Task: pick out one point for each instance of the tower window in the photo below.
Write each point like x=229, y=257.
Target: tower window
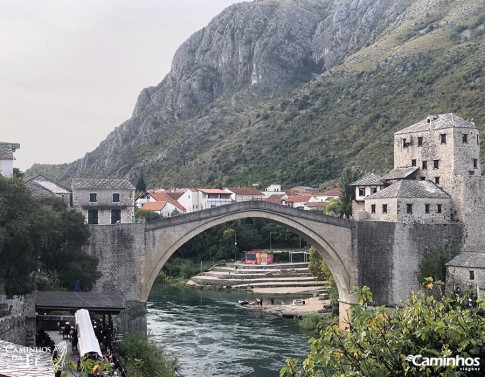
x=420, y=141
x=409, y=208
x=472, y=275
x=425, y=165
x=373, y=208
x=436, y=164
x=438, y=209
x=413, y=162
x=404, y=143
x=384, y=208
x=437, y=180
x=443, y=138
x=475, y=163
x=465, y=138
x=426, y=208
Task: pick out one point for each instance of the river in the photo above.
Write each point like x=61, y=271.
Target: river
x=211, y=335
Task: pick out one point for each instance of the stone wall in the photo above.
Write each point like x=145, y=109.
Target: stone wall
x=12, y=328
x=121, y=252
x=133, y=319
x=389, y=255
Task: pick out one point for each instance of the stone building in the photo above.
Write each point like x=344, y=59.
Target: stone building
x=466, y=272
x=104, y=201
x=41, y=186
x=436, y=179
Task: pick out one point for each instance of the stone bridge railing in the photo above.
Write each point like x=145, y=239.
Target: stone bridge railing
x=248, y=206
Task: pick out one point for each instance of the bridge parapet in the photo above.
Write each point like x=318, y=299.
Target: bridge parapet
x=229, y=209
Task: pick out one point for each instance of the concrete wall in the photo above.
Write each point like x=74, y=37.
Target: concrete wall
x=389, y=254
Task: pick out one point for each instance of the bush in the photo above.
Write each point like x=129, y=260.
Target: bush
x=142, y=358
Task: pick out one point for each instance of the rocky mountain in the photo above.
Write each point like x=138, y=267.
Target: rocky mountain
x=292, y=91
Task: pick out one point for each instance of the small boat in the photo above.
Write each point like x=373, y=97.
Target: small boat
x=242, y=302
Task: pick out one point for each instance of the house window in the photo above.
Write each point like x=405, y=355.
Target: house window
x=115, y=216
x=93, y=197
x=409, y=208
x=443, y=138
x=475, y=163
x=423, y=178
x=471, y=172
x=420, y=141
x=425, y=165
x=465, y=138
x=116, y=197
x=384, y=208
x=373, y=190
x=404, y=143
x=413, y=162
x=93, y=216
x=361, y=191
x=438, y=208
x=437, y=180
x=426, y=208
x=472, y=275
x=373, y=208
x=436, y=164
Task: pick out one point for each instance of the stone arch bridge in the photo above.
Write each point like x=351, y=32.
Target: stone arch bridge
x=381, y=255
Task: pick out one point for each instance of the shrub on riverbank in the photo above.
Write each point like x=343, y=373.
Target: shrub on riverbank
x=316, y=322
x=142, y=357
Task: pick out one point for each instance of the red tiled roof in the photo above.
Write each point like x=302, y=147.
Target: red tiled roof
x=299, y=198
x=163, y=196
x=154, y=206
x=275, y=198
x=332, y=192
x=175, y=195
x=245, y=191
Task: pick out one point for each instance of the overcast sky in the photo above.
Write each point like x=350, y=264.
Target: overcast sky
x=71, y=70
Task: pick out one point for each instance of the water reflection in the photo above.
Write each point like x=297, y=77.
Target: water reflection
x=212, y=335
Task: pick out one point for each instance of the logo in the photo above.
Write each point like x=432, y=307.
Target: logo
x=458, y=362
x=59, y=355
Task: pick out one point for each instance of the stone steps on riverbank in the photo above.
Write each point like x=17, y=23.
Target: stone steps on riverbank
x=280, y=277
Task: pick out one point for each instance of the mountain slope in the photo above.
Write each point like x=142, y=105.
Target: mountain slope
x=293, y=91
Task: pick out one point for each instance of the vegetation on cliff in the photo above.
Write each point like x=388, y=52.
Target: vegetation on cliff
x=260, y=96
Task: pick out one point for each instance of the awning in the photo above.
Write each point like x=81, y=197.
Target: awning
x=72, y=301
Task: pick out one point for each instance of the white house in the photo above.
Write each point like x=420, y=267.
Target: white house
x=197, y=199
x=244, y=194
x=164, y=209
x=6, y=158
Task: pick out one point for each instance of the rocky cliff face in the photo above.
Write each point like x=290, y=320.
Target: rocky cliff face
x=251, y=53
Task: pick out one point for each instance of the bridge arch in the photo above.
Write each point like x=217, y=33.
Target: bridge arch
x=331, y=236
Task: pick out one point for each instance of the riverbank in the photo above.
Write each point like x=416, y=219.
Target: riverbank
x=312, y=305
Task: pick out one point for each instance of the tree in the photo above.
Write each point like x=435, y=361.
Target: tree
x=41, y=240
x=319, y=268
x=141, y=185
x=400, y=342
x=347, y=193
x=147, y=214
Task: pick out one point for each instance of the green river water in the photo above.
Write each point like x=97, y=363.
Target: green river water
x=212, y=335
